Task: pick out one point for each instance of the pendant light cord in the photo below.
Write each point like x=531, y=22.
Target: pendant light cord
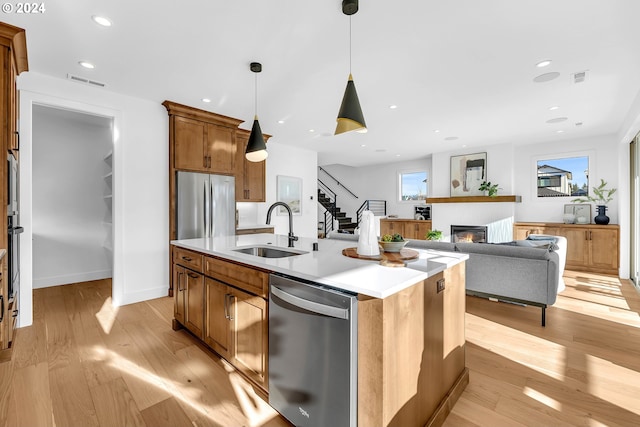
x=349, y=44
x=256, y=95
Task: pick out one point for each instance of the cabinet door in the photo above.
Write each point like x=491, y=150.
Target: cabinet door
x=577, y=245
x=194, y=302
x=249, y=328
x=217, y=320
x=603, y=245
x=189, y=144
x=391, y=227
x=179, y=278
x=250, y=176
x=220, y=149
x=417, y=230
x=13, y=109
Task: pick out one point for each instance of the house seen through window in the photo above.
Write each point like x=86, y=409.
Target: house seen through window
x=413, y=185
x=566, y=177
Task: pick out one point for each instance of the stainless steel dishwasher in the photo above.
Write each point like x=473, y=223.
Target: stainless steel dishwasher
x=312, y=353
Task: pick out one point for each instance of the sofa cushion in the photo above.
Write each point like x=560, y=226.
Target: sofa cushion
x=505, y=251
x=431, y=244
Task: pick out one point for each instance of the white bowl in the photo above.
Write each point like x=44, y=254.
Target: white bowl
x=392, y=246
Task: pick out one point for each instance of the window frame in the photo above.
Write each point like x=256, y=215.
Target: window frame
x=400, y=174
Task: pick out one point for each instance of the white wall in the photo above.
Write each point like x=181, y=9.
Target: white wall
x=294, y=162
x=378, y=182
x=69, y=211
x=140, y=167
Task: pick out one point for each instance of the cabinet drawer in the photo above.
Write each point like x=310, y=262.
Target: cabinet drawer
x=246, y=278
x=186, y=258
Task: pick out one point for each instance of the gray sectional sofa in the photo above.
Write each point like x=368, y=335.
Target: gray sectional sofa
x=526, y=272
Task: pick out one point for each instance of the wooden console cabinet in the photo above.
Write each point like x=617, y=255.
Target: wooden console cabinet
x=13, y=61
x=590, y=247
x=408, y=228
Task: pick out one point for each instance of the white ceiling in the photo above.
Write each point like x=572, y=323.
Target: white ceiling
x=464, y=67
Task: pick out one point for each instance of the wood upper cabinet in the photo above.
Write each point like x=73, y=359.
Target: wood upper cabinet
x=590, y=247
x=202, y=146
x=250, y=176
x=408, y=228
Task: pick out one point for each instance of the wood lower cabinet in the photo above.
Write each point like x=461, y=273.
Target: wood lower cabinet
x=257, y=230
x=237, y=329
x=590, y=247
x=408, y=228
x=189, y=299
x=226, y=307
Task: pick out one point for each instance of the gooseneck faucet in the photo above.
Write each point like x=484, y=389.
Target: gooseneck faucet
x=292, y=238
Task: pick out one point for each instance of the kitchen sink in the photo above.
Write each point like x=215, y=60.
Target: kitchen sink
x=269, y=252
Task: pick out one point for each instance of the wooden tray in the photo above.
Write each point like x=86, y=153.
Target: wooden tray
x=388, y=259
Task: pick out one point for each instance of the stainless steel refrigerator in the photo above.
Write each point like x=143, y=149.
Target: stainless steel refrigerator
x=206, y=205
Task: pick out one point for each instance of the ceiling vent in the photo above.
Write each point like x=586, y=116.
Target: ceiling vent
x=85, y=80
x=579, y=77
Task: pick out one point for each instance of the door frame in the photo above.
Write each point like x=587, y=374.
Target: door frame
x=27, y=100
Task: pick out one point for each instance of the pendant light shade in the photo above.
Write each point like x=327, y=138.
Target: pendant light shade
x=350, y=117
x=256, y=147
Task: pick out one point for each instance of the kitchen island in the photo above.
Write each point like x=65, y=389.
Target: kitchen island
x=410, y=324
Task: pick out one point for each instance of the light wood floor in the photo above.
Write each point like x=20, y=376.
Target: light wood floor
x=83, y=363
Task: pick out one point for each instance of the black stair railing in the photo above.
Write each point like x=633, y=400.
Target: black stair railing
x=329, y=204
x=337, y=182
x=378, y=207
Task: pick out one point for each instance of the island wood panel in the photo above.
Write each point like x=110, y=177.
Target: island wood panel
x=411, y=353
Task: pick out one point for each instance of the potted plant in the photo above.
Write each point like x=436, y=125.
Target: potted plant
x=603, y=195
x=491, y=189
x=434, y=235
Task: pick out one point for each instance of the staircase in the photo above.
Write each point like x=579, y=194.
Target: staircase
x=345, y=221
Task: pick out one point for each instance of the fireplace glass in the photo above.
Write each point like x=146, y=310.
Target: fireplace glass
x=469, y=233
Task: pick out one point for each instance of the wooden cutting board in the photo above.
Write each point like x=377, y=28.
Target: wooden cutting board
x=387, y=259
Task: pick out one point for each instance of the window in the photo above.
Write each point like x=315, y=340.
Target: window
x=412, y=186
x=564, y=177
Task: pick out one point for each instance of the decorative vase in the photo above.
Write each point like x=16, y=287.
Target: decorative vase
x=601, y=218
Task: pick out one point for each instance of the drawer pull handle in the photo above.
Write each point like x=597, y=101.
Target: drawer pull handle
x=186, y=258
x=1, y=308
x=193, y=275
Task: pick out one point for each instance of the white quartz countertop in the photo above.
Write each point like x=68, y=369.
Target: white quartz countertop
x=250, y=226
x=327, y=265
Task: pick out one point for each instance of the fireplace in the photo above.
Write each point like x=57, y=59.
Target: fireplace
x=468, y=233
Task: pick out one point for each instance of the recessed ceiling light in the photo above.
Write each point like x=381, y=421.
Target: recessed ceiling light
x=451, y=138
x=397, y=155
x=555, y=107
x=544, y=63
x=546, y=77
x=207, y=100
x=560, y=131
x=87, y=64
x=436, y=131
x=393, y=107
x=363, y=145
x=101, y=20
x=557, y=120
x=312, y=130
x=281, y=121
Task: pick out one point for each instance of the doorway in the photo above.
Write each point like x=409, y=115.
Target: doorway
x=634, y=186
x=72, y=194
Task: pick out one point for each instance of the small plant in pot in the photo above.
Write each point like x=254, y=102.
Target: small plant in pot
x=603, y=195
x=491, y=189
x=434, y=235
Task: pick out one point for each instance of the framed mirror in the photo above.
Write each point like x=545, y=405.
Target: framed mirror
x=563, y=177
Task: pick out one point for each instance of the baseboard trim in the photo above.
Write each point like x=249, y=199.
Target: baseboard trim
x=66, y=279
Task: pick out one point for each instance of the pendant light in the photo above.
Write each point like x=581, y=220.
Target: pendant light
x=256, y=148
x=350, y=116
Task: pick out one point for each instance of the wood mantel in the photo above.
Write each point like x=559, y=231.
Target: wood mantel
x=475, y=199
